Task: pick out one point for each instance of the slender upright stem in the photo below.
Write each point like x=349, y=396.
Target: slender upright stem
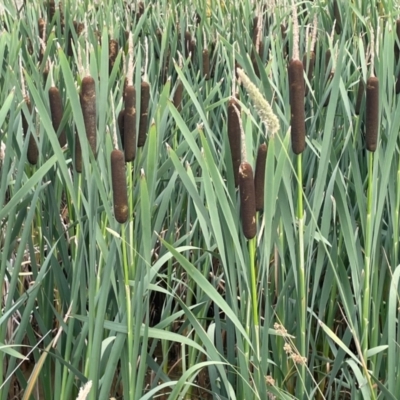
x=301, y=289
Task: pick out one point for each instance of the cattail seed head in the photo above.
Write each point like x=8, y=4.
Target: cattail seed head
x=178, y=96
x=42, y=28
x=259, y=176
x=372, y=113
x=360, y=94
x=188, y=39
x=56, y=109
x=247, y=200
x=33, y=152
x=88, y=105
x=130, y=123
x=78, y=154
x=51, y=9
x=296, y=89
x=113, y=52
x=206, y=64
x=234, y=136
x=144, y=112
x=118, y=177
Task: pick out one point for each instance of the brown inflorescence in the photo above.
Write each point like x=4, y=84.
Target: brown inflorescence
x=372, y=113
x=130, y=123
x=234, y=136
x=144, y=113
x=88, y=105
x=56, y=109
x=247, y=200
x=118, y=177
x=296, y=88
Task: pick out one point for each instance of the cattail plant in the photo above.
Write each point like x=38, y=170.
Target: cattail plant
x=259, y=176
x=33, y=152
x=56, y=109
x=372, y=113
x=51, y=10
x=188, y=40
x=42, y=28
x=88, y=105
x=360, y=95
x=234, y=137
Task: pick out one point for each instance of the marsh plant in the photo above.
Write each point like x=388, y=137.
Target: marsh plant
x=199, y=199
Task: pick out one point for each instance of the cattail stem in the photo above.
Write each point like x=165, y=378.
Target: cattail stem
x=301, y=283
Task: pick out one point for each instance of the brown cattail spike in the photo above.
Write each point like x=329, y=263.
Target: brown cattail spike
x=234, y=136
x=88, y=104
x=118, y=177
x=42, y=28
x=78, y=154
x=56, y=109
x=372, y=113
x=33, y=152
x=113, y=52
x=336, y=14
x=206, y=65
x=296, y=90
x=247, y=200
x=130, y=123
x=51, y=9
x=360, y=94
x=144, y=112
x=188, y=39
x=259, y=176
x=178, y=96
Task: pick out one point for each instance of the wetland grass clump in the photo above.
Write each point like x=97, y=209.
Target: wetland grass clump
x=118, y=177
x=372, y=113
x=56, y=109
x=259, y=176
x=88, y=105
x=247, y=200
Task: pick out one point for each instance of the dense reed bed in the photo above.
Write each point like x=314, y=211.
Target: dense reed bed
x=196, y=202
